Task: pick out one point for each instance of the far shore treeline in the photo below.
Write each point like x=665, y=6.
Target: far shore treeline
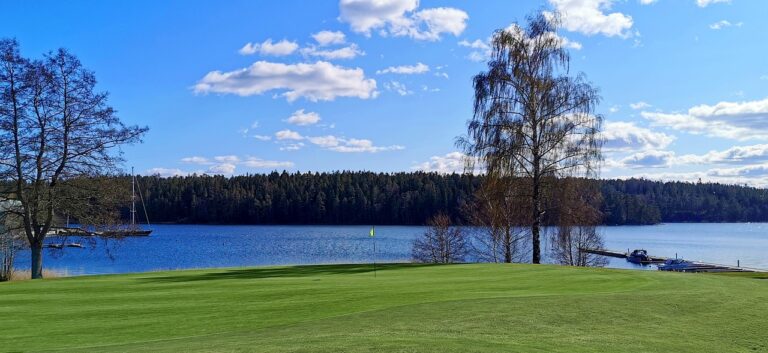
x=412, y=198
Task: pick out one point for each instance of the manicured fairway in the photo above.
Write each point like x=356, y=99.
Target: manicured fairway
x=405, y=308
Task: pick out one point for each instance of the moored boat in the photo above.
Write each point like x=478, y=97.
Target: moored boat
x=639, y=256
x=676, y=265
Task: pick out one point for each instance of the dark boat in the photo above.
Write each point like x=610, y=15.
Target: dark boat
x=676, y=265
x=639, y=256
x=127, y=233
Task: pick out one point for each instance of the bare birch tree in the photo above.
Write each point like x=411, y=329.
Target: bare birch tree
x=55, y=129
x=532, y=119
x=576, y=212
x=441, y=242
x=498, y=234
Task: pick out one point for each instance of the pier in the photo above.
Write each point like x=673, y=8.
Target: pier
x=692, y=266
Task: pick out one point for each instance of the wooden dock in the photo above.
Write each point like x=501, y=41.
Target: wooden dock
x=695, y=266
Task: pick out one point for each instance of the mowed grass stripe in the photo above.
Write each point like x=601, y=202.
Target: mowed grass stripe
x=476, y=307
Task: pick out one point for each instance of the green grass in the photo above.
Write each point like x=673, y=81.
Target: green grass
x=405, y=308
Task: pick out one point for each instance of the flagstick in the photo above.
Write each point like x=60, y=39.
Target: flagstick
x=374, y=257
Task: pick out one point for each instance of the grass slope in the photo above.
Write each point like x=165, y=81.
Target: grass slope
x=405, y=308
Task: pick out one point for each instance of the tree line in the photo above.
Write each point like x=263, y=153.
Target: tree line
x=411, y=198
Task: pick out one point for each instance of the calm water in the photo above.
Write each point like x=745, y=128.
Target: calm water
x=200, y=246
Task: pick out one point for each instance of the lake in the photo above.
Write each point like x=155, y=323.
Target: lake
x=203, y=246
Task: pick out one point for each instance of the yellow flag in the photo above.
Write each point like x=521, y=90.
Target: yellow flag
x=373, y=232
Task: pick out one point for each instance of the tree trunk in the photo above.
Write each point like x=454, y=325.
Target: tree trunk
x=37, y=260
x=507, y=246
x=536, y=225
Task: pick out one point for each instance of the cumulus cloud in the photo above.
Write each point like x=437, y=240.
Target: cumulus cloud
x=288, y=135
x=351, y=145
x=724, y=24
x=281, y=48
x=313, y=81
x=419, y=68
x=324, y=38
x=647, y=2
x=589, y=17
x=402, y=18
x=626, y=136
x=734, y=120
x=301, y=118
x=454, y=162
x=349, y=52
x=705, y=3
x=262, y=137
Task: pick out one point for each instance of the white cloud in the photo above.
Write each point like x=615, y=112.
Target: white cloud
x=705, y=3
x=253, y=162
x=397, y=87
x=442, y=74
x=734, y=155
x=454, y=162
x=419, y=68
x=753, y=175
x=482, y=49
x=223, y=168
x=227, y=159
x=647, y=2
x=477, y=44
x=759, y=170
x=724, y=24
x=401, y=18
x=349, y=52
x=626, y=136
x=262, y=137
x=352, y=145
x=281, y=48
x=476, y=56
x=589, y=17
x=647, y=159
x=614, y=109
x=301, y=118
x=165, y=172
x=223, y=165
x=288, y=135
x=733, y=120
x=639, y=105
x=313, y=81
x=292, y=146
x=325, y=141
x=195, y=160
x=324, y=38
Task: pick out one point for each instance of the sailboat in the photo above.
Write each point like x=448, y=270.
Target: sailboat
x=133, y=229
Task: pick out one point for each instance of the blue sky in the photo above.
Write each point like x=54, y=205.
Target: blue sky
x=249, y=87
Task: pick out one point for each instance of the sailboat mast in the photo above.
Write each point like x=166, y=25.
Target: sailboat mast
x=133, y=198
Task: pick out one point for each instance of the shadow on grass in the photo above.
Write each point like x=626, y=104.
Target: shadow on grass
x=284, y=272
